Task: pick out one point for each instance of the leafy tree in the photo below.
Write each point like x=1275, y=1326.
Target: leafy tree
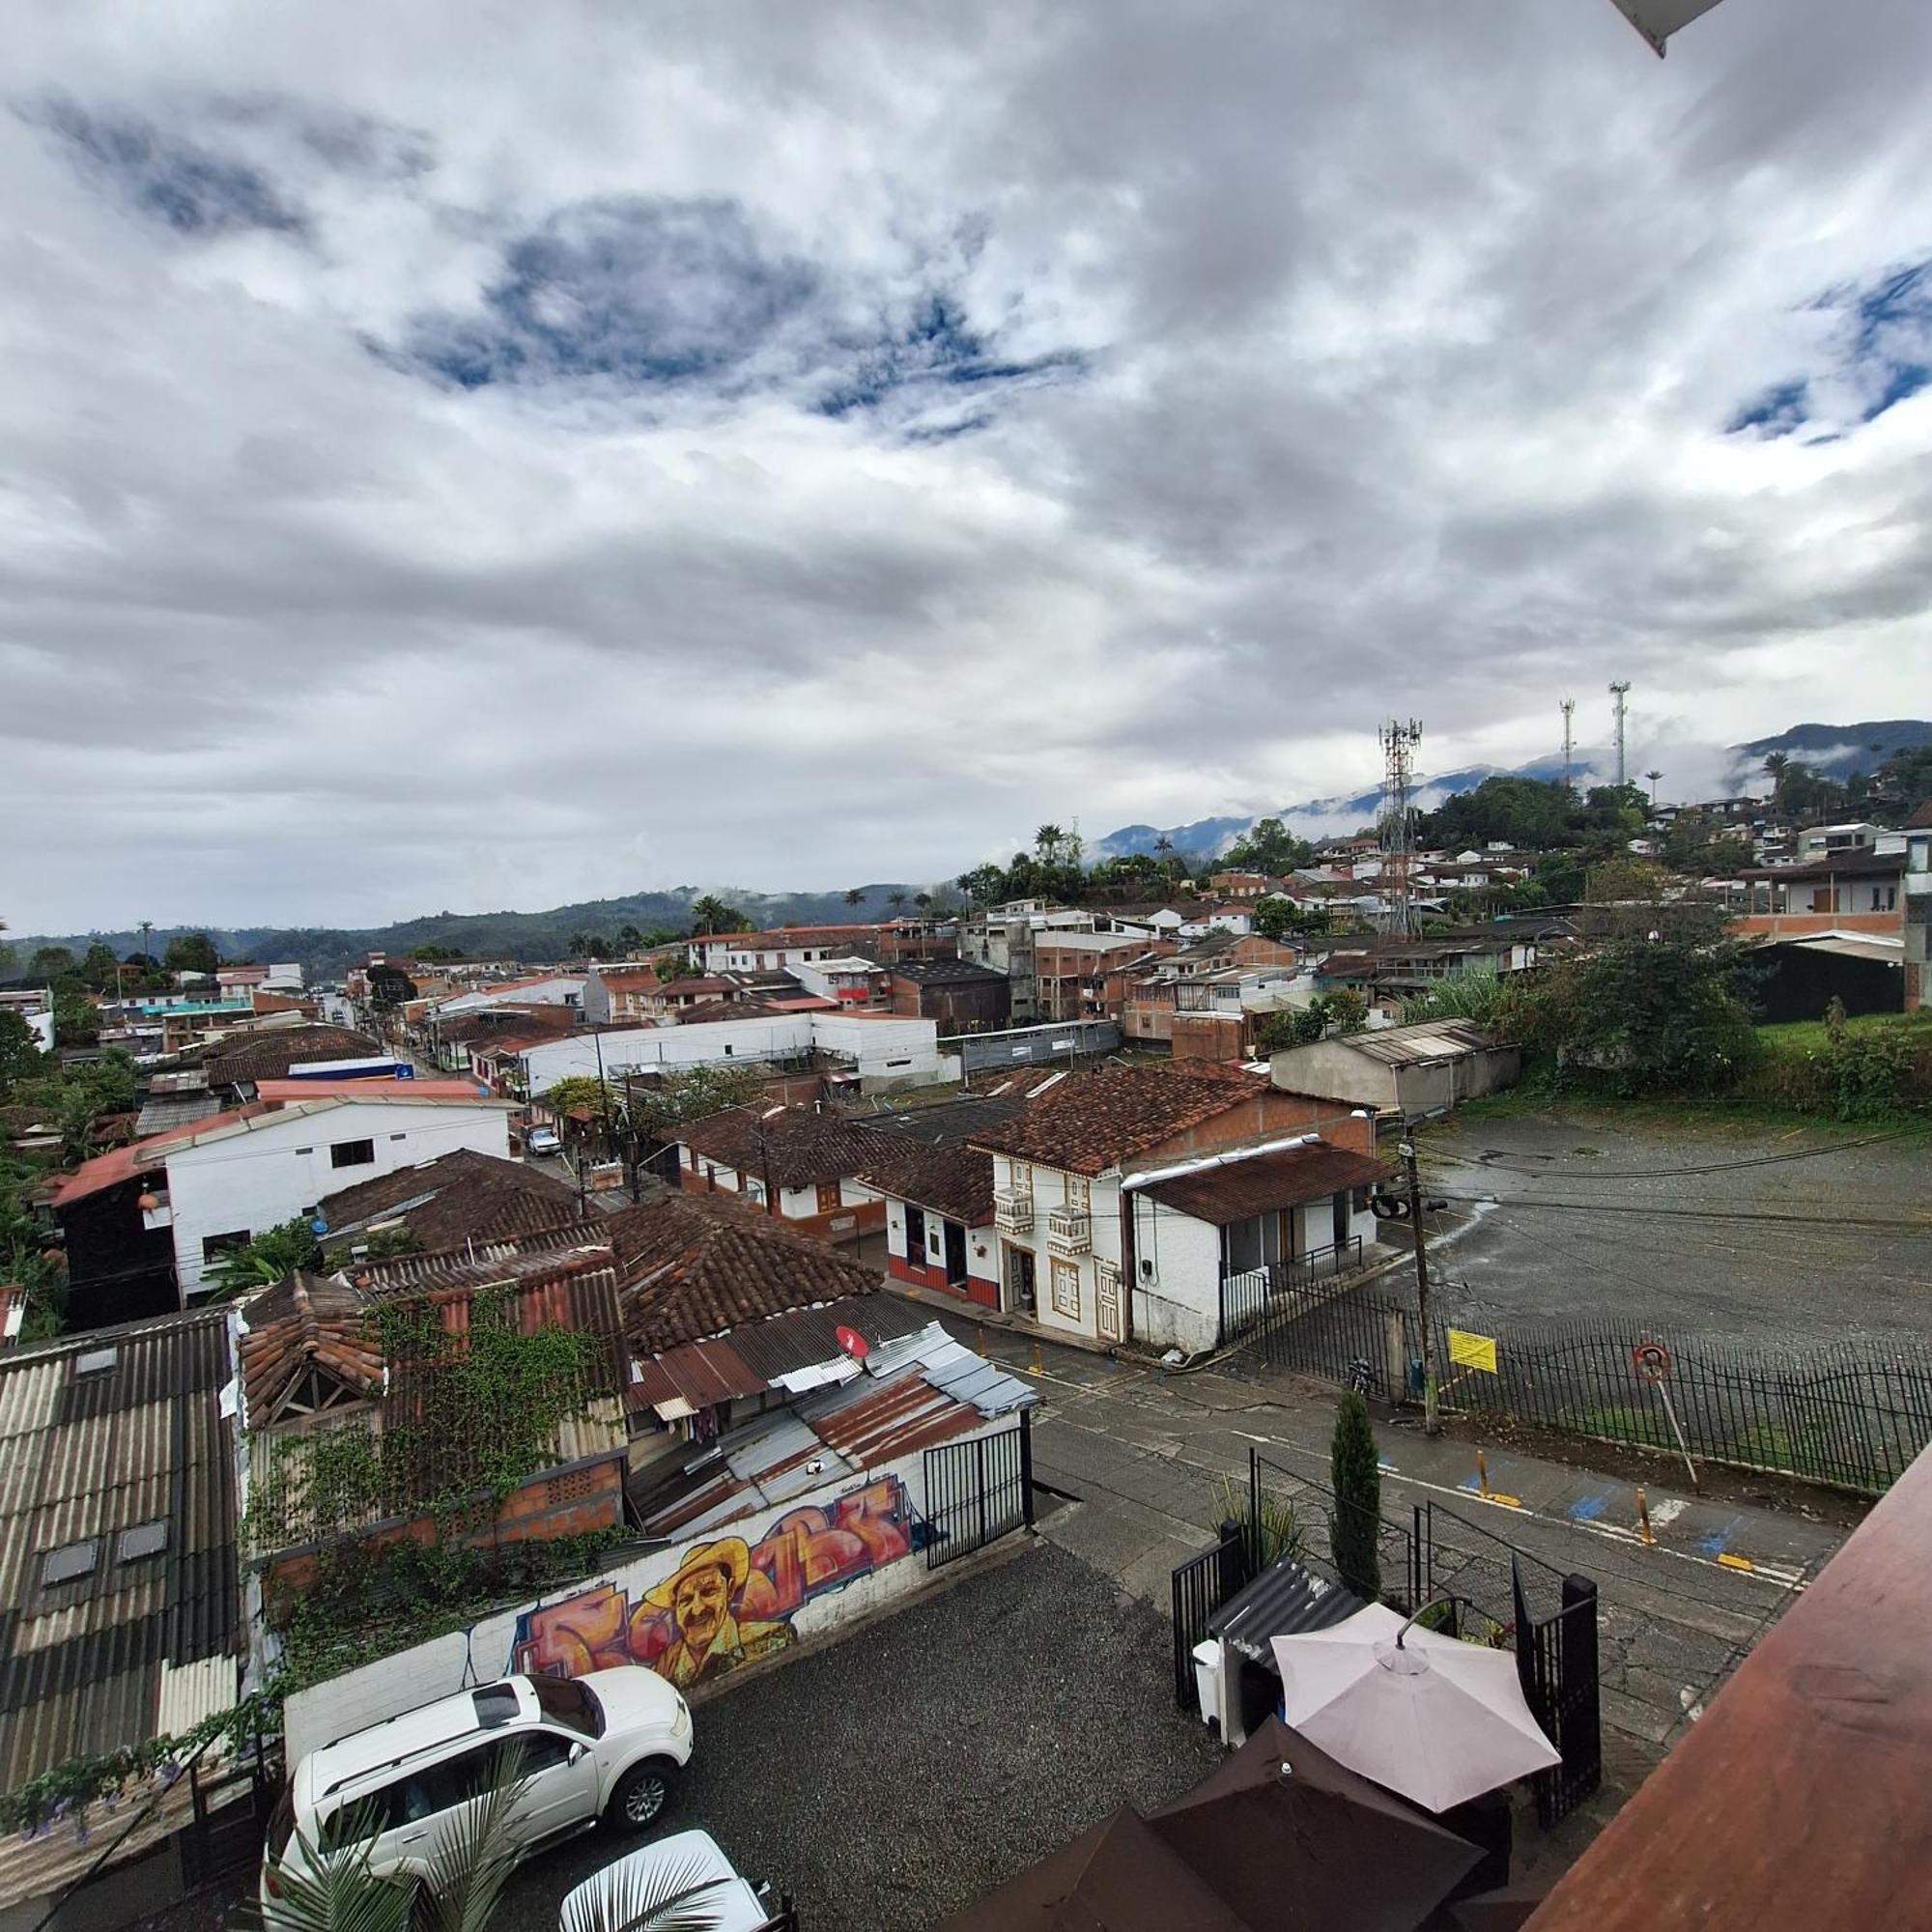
x=51, y=962
x=20, y=1052
x=433, y=954
x=588, y=946
x=711, y=914
x=99, y=966
x=1530, y=814
x=389, y=987
x=1354, y=1473
x=1648, y=1017
x=1267, y=846
x=982, y=886
x=691, y=1093
x=579, y=1090
x=271, y=1255
x=190, y=952
x=76, y=1018
x=630, y=938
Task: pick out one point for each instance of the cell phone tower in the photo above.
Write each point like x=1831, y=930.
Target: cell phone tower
x=1397, y=826
x=1569, y=746
x=1620, y=691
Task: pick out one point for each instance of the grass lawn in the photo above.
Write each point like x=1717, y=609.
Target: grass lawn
x=1808, y=1036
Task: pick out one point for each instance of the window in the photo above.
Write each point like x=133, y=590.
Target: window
x=563, y=1700
x=1022, y=1177
x=1079, y=1193
x=352, y=1153
x=214, y=1246
x=915, y=1232
x=144, y=1539
x=69, y=1562
x=538, y=1750
x=1066, y=1290
x=828, y=1197
x=95, y=1361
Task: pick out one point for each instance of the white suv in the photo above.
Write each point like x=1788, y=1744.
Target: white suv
x=606, y=1745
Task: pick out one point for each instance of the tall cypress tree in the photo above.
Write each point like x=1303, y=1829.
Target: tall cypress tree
x=1355, y=1473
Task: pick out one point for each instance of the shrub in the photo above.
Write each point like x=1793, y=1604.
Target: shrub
x=1356, y=1475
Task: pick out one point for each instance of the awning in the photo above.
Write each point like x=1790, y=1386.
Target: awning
x=1242, y=1190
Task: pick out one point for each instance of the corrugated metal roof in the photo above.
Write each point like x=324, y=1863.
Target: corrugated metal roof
x=785, y=1343
x=1406, y=1045
x=1283, y=1601
x=83, y=1457
x=1244, y=1188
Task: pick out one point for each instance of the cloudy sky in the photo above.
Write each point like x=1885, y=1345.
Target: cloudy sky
x=489, y=454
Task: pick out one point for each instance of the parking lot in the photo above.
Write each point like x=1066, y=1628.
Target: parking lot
x=894, y=1776
x=1753, y=1235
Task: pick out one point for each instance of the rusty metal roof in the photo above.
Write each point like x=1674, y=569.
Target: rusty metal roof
x=100, y=1432
x=1244, y=1188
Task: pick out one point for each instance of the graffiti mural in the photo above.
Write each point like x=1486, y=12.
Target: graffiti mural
x=727, y=1602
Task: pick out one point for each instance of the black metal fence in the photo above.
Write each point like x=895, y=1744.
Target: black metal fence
x=1199, y=1587
x=1469, y=1581
x=1853, y=1414
x=977, y=1492
x=1246, y=1298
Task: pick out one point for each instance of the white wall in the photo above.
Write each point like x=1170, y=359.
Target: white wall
x=489, y=1649
x=565, y=989
x=1180, y=1306
x=881, y=1047
x=279, y=1166
x=638, y=1048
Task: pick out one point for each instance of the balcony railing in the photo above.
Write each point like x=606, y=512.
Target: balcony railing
x=1070, y=1230
x=1012, y=1211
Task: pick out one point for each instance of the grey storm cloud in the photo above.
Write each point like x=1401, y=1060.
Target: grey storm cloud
x=793, y=445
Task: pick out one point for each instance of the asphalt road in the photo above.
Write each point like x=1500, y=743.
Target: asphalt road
x=1747, y=1236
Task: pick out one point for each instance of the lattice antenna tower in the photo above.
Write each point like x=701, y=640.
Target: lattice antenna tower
x=1619, y=691
x=1568, y=745
x=1397, y=828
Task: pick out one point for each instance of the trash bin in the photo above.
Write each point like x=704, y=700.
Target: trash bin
x=1208, y=1679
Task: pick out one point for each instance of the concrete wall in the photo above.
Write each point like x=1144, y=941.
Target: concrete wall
x=827, y=1560
x=258, y=1180
x=1177, y=1303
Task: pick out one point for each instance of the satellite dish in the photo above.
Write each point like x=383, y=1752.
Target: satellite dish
x=853, y=1342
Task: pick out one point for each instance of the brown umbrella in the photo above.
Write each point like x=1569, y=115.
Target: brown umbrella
x=1117, y=1878
x=1295, y=1842
x=1500, y=1910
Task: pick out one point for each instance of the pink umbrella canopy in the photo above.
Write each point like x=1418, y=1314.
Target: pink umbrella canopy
x=1421, y=1714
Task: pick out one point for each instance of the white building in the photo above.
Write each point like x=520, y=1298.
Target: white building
x=879, y=1050
x=550, y=989
x=216, y=1186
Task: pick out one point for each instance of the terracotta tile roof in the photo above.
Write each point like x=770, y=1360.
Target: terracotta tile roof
x=1245, y=1189
x=1921, y=819
x=269, y=1055
x=126, y=1163
x=459, y=1196
x=798, y=1147
x=699, y=1265
x=955, y=1181
x=490, y=1023
x=1092, y=1120
x=306, y=1321
x=733, y=1010
x=547, y=1254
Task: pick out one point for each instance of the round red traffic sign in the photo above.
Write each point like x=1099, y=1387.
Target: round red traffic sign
x=853, y=1342
x=1652, y=1360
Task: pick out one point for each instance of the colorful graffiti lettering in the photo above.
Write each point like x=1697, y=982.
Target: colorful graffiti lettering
x=727, y=1602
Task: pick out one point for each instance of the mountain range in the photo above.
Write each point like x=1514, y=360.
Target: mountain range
x=326, y=952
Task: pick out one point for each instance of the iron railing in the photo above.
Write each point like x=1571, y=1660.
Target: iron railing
x=1852, y=1414
x=977, y=1492
x=1246, y=1296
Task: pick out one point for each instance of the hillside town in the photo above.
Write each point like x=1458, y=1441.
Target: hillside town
x=368, y=1340
x=966, y=970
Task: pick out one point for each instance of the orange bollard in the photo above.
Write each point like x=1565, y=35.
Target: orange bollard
x=1643, y=1518
x=1038, y=1366
x=980, y=1348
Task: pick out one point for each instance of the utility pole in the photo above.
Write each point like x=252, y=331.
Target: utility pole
x=1620, y=691
x=1569, y=746
x=1432, y=1419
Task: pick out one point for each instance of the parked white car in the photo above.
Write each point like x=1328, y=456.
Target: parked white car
x=688, y=1866
x=542, y=1140
x=608, y=1745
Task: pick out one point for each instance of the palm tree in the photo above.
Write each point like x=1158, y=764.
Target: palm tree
x=711, y=914
x=1653, y=777
x=922, y=901
x=896, y=900
x=657, y=1895
x=854, y=897
x=1047, y=842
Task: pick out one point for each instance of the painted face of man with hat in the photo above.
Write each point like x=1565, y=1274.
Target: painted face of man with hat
x=700, y=1595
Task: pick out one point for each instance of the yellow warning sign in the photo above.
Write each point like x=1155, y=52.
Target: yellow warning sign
x=1473, y=1351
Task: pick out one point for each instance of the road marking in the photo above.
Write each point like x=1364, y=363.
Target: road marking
x=1731, y=1562
x=1667, y=1511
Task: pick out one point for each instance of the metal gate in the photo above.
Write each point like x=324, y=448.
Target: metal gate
x=977, y=1492
x=1556, y=1662
x=1200, y=1586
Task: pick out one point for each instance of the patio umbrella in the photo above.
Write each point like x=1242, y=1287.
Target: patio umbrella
x=1425, y=1715
x=1295, y=1842
x=1503, y=1911
x=1119, y=1877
